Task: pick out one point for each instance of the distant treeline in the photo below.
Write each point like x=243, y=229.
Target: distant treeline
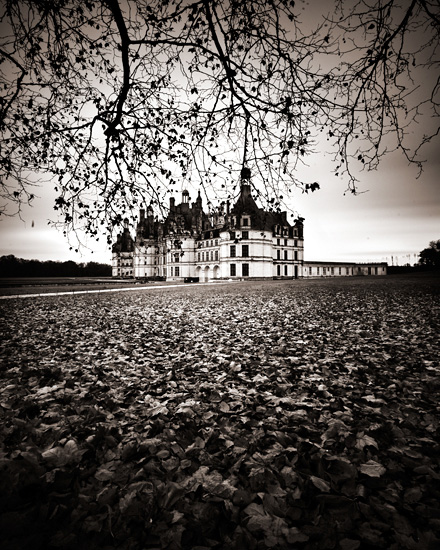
x=402, y=269
x=10, y=266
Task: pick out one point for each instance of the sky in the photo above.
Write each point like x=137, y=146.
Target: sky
x=394, y=216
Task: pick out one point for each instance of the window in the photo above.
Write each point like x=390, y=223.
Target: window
x=245, y=235
x=332, y=270
x=212, y=255
x=171, y=271
x=295, y=243
x=369, y=271
x=216, y=242
x=317, y=271
x=375, y=270
x=310, y=270
x=245, y=270
x=278, y=270
x=176, y=271
x=198, y=256
x=246, y=221
x=176, y=258
x=295, y=255
x=232, y=270
x=324, y=270
x=285, y=270
x=278, y=254
x=245, y=251
x=216, y=255
x=285, y=254
x=212, y=243
x=233, y=254
x=285, y=242
x=203, y=256
x=278, y=242
x=339, y=271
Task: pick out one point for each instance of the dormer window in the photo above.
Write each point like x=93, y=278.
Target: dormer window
x=245, y=222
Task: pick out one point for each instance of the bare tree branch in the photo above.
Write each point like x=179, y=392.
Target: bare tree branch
x=119, y=103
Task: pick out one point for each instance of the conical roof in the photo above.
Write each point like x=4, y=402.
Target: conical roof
x=246, y=205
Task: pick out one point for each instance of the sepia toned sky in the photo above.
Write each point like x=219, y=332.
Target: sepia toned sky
x=395, y=215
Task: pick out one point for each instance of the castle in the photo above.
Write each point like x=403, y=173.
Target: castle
x=238, y=242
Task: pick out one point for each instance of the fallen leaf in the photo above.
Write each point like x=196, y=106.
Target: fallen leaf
x=372, y=469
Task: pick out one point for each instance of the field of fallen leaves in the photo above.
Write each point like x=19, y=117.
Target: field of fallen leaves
x=277, y=415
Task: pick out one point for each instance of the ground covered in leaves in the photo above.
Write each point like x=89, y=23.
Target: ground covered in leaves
x=277, y=415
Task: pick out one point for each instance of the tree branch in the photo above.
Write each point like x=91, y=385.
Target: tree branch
x=115, y=9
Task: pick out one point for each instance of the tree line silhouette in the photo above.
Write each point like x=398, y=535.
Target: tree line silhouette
x=10, y=266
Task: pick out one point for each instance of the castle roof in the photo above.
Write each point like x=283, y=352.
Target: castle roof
x=259, y=218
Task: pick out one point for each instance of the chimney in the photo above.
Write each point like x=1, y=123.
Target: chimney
x=199, y=201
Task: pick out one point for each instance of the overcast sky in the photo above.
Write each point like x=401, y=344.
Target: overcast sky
x=395, y=215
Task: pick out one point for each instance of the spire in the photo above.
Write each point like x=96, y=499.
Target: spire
x=245, y=174
x=245, y=184
x=245, y=202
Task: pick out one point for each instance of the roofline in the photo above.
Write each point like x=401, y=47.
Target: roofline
x=344, y=263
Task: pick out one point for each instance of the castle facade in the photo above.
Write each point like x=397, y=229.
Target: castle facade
x=238, y=242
